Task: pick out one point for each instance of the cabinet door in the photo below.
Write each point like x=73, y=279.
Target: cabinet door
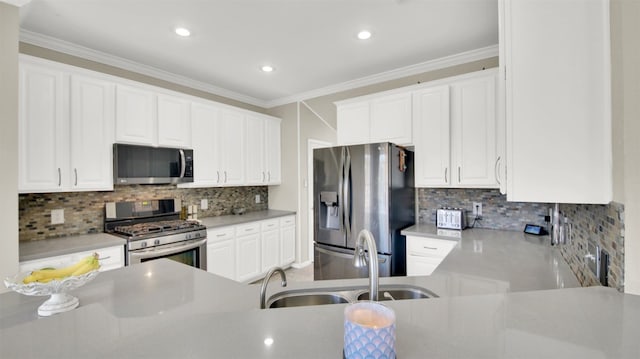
x=205, y=124
x=248, y=257
x=92, y=127
x=558, y=101
x=221, y=258
x=270, y=250
x=353, y=123
x=272, y=149
x=473, y=129
x=232, y=147
x=431, y=133
x=135, y=115
x=42, y=130
x=174, y=122
x=391, y=119
x=288, y=245
x=255, y=169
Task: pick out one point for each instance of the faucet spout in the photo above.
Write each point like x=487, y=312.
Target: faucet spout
x=265, y=281
x=365, y=237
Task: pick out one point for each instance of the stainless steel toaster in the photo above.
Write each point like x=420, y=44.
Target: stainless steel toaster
x=451, y=218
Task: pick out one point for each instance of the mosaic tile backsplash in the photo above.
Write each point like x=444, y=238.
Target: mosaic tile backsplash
x=603, y=225
x=497, y=213
x=84, y=211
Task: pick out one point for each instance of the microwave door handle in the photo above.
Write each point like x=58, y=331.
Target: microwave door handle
x=154, y=252
x=183, y=164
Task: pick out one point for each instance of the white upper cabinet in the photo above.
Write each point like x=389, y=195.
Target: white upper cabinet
x=263, y=150
x=390, y=119
x=174, y=122
x=135, y=115
x=65, y=130
x=431, y=126
x=377, y=118
x=558, y=100
x=92, y=127
x=473, y=128
x=256, y=162
x=455, y=133
x=43, y=139
x=273, y=151
x=231, y=149
x=206, y=126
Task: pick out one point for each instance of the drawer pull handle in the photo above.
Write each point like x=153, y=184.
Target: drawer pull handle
x=432, y=248
x=102, y=258
x=220, y=235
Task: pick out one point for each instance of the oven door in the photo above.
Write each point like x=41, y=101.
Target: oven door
x=192, y=252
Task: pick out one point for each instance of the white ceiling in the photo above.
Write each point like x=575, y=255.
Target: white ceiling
x=311, y=43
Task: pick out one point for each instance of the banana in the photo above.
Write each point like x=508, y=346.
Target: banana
x=83, y=266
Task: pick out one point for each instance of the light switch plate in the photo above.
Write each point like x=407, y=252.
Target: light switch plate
x=257, y=198
x=204, y=204
x=57, y=216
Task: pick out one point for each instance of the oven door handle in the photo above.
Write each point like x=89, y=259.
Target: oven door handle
x=154, y=252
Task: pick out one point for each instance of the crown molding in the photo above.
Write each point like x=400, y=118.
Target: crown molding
x=432, y=65
x=17, y=3
x=69, y=48
x=107, y=59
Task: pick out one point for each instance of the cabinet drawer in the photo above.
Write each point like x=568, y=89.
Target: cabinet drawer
x=429, y=246
x=287, y=221
x=270, y=224
x=249, y=228
x=220, y=234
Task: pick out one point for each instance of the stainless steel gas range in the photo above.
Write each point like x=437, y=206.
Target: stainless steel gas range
x=153, y=229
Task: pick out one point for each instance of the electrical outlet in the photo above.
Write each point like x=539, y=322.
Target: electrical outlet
x=477, y=209
x=204, y=204
x=57, y=216
x=257, y=198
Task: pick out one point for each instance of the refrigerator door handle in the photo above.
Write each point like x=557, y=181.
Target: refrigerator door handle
x=345, y=196
x=341, y=189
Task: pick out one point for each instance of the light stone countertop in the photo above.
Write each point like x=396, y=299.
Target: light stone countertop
x=30, y=250
x=163, y=309
x=231, y=220
x=521, y=261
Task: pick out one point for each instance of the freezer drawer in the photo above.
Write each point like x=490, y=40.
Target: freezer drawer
x=337, y=263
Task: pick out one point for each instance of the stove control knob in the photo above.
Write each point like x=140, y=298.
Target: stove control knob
x=156, y=242
x=188, y=236
x=143, y=244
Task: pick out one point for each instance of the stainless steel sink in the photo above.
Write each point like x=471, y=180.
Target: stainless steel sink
x=399, y=294
x=321, y=296
x=292, y=299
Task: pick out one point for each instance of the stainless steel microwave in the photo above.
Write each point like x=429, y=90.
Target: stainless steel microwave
x=151, y=165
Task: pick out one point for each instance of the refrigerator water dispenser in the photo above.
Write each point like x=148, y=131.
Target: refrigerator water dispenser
x=329, y=212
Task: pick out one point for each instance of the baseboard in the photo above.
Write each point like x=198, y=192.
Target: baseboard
x=301, y=265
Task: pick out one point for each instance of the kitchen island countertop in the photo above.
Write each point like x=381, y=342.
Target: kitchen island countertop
x=163, y=309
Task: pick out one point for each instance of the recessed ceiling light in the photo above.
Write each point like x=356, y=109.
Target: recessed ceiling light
x=182, y=31
x=267, y=68
x=364, y=35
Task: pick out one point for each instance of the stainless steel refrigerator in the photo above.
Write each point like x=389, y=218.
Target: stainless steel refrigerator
x=359, y=187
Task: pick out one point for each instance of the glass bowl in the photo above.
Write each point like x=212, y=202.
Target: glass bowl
x=59, y=301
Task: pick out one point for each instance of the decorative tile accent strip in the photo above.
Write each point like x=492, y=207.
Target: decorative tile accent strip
x=497, y=213
x=84, y=211
x=604, y=225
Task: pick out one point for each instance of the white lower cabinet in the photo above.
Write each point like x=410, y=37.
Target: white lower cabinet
x=221, y=258
x=110, y=258
x=424, y=254
x=246, y=252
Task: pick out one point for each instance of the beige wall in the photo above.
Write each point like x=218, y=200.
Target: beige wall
x=52, y=55
x=625, y=16
x=285, y=195
x=9, y=17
